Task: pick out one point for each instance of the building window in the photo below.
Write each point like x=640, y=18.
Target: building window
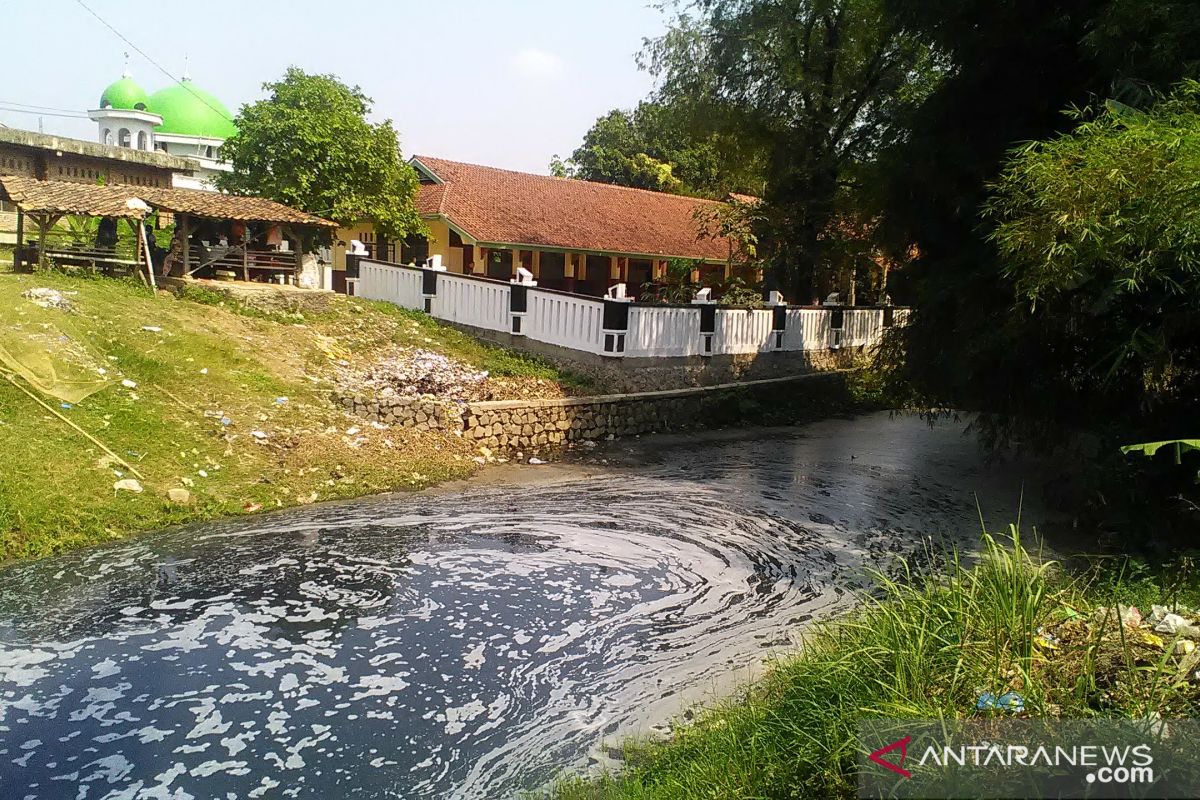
x=414, y=249
x=124, y=138
x=108, y=137
x=142, y=141
x=208, y=152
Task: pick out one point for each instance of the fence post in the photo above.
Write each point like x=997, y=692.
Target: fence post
x=778, y=319
x=615, y=323
x=518, y=299
x=429, y=276
x=708, y=320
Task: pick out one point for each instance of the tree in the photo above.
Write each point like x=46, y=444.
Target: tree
x=817, y=86
x=310, y=146
x=654, y=147
x=1011, y=70
x=1099, y=232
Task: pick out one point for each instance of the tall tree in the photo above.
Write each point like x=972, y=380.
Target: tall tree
x=654, y=147
x=1012, y=69
x=817, y=85
x=309, y=145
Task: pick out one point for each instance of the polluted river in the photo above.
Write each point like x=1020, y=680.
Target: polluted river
x=466, y=643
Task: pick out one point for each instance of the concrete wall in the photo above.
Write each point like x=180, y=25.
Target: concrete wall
x=647, y=374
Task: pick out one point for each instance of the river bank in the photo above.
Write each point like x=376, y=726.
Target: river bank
x=205, y=408
x=474, y=643
x=1012, y=636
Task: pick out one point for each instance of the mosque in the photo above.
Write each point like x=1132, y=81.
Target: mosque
x=181, y=120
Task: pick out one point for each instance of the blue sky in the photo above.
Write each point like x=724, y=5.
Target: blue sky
x=501, y=82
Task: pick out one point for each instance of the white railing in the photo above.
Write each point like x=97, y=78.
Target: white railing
x=386, y=282
x=481, y=304
x=742, y=330
x=576, y=322
x=565, y=320
x=663, y=331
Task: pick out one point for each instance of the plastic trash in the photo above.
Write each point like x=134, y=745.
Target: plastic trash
x=128, y=384
x=280, y=400
x=1010, y=702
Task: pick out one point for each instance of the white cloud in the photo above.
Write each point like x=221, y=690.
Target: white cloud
x=537, y=64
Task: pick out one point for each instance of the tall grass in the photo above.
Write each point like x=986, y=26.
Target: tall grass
x=920, y=646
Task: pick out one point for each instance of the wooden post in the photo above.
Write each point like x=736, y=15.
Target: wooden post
x=181, y=230
x=20, y=240
x=246, y=256
x=137, y=248
x=295, y=241
x=145, y=244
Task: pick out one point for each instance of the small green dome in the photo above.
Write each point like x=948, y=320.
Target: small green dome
x=188, y=110
x=124, y=94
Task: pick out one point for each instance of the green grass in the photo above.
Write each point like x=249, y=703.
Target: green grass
x=55, y=491
x=921, y=648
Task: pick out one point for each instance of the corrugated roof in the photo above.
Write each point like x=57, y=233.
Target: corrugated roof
x=113, y=201
x=60, y=197
x=497, y=206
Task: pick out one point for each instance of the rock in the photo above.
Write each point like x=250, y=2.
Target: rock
x=1171, y=624
x=128, y=485
x=180, y=497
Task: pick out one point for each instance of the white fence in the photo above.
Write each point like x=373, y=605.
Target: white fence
x=618, y=328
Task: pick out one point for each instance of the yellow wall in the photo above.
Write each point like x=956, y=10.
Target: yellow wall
x=363, y=231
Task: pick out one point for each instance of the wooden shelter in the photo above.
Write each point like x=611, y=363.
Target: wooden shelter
x=46, y=202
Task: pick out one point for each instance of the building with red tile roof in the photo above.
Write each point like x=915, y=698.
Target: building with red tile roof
x=572, y=235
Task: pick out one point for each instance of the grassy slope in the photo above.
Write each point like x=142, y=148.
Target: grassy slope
x=924, y=649
x=55, y=493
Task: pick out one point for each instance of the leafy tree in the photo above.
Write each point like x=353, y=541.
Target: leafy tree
x=1099, y=231
x=1012, y=68
x=310, y=146
x=655, y=147
x=816, y=86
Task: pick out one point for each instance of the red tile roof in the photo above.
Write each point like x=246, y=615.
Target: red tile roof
x=498, y=206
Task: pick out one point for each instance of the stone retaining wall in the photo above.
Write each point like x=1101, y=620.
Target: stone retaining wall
x=423, y=412
x=544, y=425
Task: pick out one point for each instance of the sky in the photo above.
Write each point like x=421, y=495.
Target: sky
x=508, y=83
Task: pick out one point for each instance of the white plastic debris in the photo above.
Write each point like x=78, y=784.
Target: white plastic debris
x=536, y=461
x=128, y=485
x=260, y=435
x=128, y=384
x=152, y=328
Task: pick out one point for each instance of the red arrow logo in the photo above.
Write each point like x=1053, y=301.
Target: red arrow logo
x=902, y=746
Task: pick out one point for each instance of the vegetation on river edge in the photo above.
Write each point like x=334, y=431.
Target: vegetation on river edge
x=928, y=647
x=228, y=403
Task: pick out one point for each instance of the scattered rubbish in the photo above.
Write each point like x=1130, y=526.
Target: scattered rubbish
x=226, y=421
x=280, y=400
x=128, y=485
x=260, y=435
x=1009, y=701
x=536, y=461
x=352, y=431
x=128, y=384
x=204, y=371
x=479, y=460
x=65, y=405
x=180, y=497
x=250, y=508
x=202, y=474
x=415, y=372
x=47, y=298
x=152, y=328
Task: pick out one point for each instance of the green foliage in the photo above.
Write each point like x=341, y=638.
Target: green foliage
x=656, y=147
x=815, y=87
x=923, y=647
x=310, y=146
x=1099, y=232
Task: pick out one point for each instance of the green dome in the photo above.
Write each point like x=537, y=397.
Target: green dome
x=188, y=110
x=124, y=94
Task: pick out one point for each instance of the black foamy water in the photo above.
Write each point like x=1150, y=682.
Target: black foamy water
x=465, y=645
